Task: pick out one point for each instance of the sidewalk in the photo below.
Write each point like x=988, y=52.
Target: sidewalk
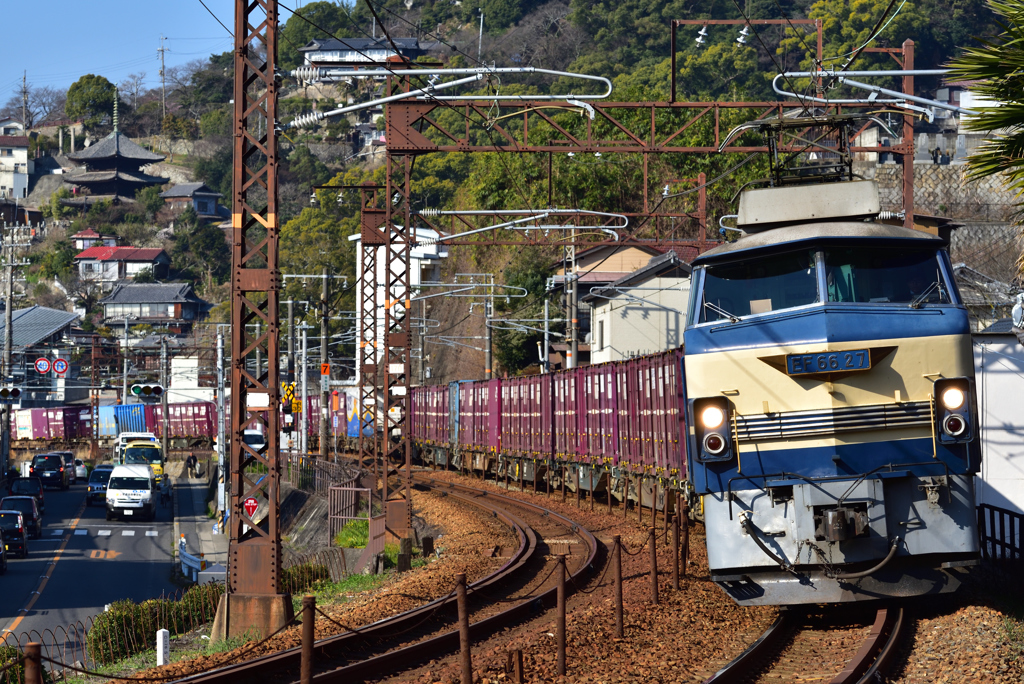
x=190, y=520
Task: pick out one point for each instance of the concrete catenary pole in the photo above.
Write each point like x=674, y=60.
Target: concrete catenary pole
x=221, y=432
x=324, y=379
x=304, y=436
x=8, y=374
x=165, y=381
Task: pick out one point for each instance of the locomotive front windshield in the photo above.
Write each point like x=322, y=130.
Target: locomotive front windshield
x=780, y=281
x=879, y=275
x=851, y=275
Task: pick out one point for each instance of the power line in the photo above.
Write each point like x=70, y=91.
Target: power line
x=215, y=17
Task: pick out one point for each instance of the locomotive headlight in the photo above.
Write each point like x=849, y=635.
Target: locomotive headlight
x=712, y=417
x=952, y=398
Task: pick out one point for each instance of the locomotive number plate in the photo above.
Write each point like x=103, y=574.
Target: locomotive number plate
x=828, y=362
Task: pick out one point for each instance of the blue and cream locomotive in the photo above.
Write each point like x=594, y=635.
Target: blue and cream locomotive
x=830, y=396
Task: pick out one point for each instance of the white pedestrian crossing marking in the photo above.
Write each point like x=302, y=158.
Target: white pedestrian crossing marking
x=150, y=533
x=103, y=533
x=127, y=533
x=79, y=533
x=56, y=533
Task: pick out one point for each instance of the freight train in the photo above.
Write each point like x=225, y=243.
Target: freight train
x=190, y=424
x=822, y=421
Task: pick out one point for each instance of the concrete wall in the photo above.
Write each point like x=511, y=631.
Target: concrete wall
x=943, y=191
x=999, y=368
x=623, y=327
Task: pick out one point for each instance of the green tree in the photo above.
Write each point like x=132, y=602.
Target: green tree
x=215, y=122
x=144, y=276
x=200, y=251
x=91, y=99
x=304, y=168
x=53, y=208
x=997, y=63
x=58, y=262
x=517, y=349
x=179, y=127
x=149, y=199
x=215, y=170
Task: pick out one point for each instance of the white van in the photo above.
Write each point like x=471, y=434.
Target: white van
x=131, y=492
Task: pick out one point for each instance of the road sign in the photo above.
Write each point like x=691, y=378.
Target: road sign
x=325, y=369
x=296, y=406
x=251, y=504
x=42, y=365
x=60, y=366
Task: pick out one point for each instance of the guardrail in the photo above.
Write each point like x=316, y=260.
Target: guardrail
x=191, y=565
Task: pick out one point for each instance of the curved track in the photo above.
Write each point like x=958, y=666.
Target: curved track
x=798, y=648
x=429, y=631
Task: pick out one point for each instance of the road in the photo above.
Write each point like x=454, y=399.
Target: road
x=81, y=563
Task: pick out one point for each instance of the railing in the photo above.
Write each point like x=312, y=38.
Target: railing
x=1000, y=531
x=191, y=565
x=317, y=476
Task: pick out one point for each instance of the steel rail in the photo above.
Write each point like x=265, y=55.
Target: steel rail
x=336, y=647
x=874, y=657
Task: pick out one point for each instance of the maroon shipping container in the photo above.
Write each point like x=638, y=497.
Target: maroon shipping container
x=429, y=415
x=567, y=427
x=598, y=414
x=652, y=425
x=480, y=415
x=525, y=416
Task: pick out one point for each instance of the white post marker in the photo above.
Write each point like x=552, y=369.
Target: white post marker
x=163, y=647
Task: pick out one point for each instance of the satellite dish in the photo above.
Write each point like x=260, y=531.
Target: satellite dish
x=1018, y=312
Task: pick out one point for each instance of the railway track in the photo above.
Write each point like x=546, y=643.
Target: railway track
x=520, y=588
x=831, y=648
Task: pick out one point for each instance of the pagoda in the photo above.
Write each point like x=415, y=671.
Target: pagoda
x=113, y=166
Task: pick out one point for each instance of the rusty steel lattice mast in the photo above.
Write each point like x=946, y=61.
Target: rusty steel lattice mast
x=254, y=596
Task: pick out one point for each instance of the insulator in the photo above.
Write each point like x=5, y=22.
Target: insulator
x=429, y=212
x=308, y=119
x=306, y=73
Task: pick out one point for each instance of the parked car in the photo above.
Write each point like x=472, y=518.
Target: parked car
x=29, y=486
x=26, y=505
x=97, y=488
x=81, y=471
x=69, y=464
x=15, y=537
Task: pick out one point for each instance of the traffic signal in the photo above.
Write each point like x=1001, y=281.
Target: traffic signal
x=9, y=394
x=147, y=391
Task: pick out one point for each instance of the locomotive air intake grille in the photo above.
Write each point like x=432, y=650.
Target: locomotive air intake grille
x=788, y=424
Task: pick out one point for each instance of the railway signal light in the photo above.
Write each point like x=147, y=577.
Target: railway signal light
x=9, y=394
x=147, y=391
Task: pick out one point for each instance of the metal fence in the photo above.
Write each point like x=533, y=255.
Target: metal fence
x=304, y=471
x=1000, y=530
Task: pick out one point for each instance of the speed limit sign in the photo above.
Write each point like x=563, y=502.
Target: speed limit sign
x=42, y=365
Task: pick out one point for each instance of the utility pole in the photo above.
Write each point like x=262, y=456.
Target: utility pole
x=94, y=404
x=221, y=432
x=480, y=38
x=124, y=351
x=24, y=103
x=488, y=314
x=304, y=438
x=165, y=381
x=325, y=380
x=546, y=359
x=163, y=81
x=8, y=374
x=290, y=377
x=574, y=305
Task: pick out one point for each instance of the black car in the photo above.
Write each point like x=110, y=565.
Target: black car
x=97, y=489
x=50, y=469
x=25, y=505
x=29, y=486
x=15, y=537
x=3, y=554
x=69, y=464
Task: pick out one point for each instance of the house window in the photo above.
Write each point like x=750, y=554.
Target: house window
x=600, y=335
x=6, y=152
x=202, y=207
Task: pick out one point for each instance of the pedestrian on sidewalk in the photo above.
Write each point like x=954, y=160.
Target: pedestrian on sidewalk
x=190, y=463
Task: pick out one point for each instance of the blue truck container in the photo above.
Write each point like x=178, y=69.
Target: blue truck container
x=130, y=418
x=108, y=423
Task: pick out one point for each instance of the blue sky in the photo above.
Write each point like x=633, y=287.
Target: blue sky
x=59, y=40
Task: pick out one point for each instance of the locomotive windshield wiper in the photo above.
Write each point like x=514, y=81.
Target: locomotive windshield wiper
x=919, y=299
x=722, y=312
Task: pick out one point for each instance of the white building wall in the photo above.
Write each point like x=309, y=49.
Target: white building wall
x=14, y=172
x=425, y=265
x=999, y=374
x=184, y=384
x=640, y=321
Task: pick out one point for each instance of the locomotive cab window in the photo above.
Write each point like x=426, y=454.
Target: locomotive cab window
x=885, y=276
x=757, y=286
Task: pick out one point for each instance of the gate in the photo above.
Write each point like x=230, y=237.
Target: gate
x=347, y=503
